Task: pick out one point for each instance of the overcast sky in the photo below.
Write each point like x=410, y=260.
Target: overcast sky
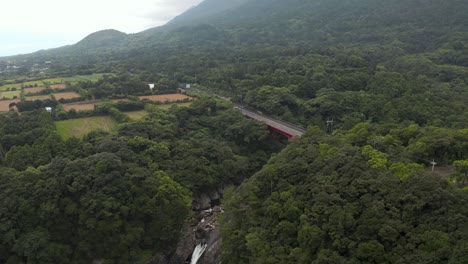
x=30, y=25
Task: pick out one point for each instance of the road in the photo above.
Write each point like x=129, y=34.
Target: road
x=279, y=125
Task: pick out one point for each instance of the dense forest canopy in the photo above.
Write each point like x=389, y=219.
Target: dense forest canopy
x=120, y=197
x=391, y=76
x=337, y=199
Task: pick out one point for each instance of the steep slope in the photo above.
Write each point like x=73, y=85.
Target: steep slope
x=416, y=25
x=205, y=11
x=324, y=201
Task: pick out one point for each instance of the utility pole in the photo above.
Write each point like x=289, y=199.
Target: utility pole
x=330, y=125
x=433, y=165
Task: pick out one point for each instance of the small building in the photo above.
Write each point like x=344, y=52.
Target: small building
x=49, y=109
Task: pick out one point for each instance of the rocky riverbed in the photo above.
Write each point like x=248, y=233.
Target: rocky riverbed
x=203, y=228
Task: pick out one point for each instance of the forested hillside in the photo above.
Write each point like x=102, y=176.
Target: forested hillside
x=337, y=199
x=379, y=177
x=117, y=197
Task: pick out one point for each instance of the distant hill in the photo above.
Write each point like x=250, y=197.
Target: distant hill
x=104, y=38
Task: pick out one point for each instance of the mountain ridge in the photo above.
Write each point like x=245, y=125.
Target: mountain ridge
x=316, y=21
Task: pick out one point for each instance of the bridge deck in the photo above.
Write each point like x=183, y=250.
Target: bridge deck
x=274, y=123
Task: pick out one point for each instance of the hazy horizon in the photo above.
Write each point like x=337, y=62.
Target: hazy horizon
x=60, y=24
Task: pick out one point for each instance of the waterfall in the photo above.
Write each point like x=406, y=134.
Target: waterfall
x=197, y=253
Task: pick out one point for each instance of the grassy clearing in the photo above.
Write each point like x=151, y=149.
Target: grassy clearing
x=92, y=77
x=9, y=86
x=73, y=79
x=135, y=115
x=167, y=106
x=82, y=126
x=10, y=94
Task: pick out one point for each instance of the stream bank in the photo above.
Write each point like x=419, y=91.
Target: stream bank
x=203, y=228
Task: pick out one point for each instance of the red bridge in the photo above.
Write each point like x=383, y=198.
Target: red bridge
x=278, y=126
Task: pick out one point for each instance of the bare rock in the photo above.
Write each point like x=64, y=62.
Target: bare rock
x=201, y=202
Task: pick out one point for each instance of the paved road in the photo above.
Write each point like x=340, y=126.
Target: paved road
x=275, y=123
x=285, y=127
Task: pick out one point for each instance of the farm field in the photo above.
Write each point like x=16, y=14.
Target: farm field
x=78, y=78
x=75, y=79
x=8, y=87
x=10, y=94
x=4, y=105
x=79, y=106
x=82, y=126
x=33, y=90
x=58, y=86
x=57, y=96
x=18, y=85
x=53, y=81
x=165, y=97
x=37, y=97
x=69, y=95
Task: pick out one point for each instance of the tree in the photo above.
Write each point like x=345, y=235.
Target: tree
x=461, y=175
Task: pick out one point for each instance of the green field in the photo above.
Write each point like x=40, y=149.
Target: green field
x=73, y=79
x=167, y=106
x=82, y=126
x=10, y=94
x=9, y=86
x=135, y=115
x=92, y=78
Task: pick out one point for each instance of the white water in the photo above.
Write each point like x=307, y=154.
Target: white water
x=197, y=253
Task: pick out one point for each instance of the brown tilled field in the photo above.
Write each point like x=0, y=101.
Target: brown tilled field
x=37, y=97
x=58, y=86
x=165, y=97
x=57, y=96
x=79, y=107
x=69, y=95
x=5, y=103
x=119, y=100
x=33, y=90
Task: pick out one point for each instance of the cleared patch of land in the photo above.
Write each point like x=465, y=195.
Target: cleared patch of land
x=58, y=96
x=77, y=78
x=58, y=86
x=37, y=97
x=119, y=100
x=90, y=105
x=136, y=115
x=166, y=97
x=70, y=95
x=33, y=90
x=10, y=94
x=53, y=81
x=167, y=106
x=4, y=104
x=8, y=87
x=79, y=106
x=82, y=126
